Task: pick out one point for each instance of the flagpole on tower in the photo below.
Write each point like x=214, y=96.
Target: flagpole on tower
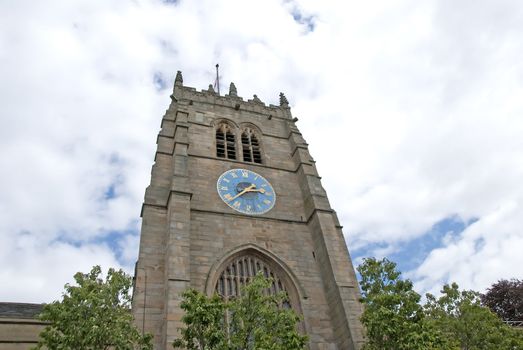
x=217, y=81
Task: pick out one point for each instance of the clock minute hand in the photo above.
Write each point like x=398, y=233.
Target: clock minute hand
x=248, y=189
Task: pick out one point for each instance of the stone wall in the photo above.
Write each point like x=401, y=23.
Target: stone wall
x=19, y=326
x=187, y=229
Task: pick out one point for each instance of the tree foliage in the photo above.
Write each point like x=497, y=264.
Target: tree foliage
x=204, y=319
x=395, y=318
x=467, y=324
x=256, y=320
x=505, y=298
x=94, y=314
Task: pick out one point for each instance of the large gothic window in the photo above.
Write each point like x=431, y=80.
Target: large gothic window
x=240, y=270
x=225, y=142
x=250, y=146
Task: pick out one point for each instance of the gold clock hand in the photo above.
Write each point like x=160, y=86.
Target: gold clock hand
x=248, y=189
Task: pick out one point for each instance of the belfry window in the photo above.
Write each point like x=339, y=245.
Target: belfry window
x=250, y=147
x=240, y=271
x=225, y=142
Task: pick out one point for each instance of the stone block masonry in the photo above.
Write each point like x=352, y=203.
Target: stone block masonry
x=189, y=235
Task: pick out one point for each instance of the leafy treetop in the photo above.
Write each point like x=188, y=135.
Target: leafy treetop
x=94, y=314
x=505, y=298
x=395, y=319
x=256, y=321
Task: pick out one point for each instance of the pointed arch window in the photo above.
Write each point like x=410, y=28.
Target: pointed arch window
x=225, y=142
x=239, y=271
x=250, y=146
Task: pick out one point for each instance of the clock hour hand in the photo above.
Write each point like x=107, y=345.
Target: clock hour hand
x=248, y=189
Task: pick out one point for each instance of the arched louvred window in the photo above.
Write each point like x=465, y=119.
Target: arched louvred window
x=225, y=142
x=240, y=270
x=251, y=146
x=229, y=274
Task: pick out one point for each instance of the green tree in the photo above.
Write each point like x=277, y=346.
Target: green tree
x=95, y=314
x=468, y=325
x=204, y=320
x=257, y=320
x=393, y=316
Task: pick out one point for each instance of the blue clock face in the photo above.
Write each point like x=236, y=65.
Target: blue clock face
x=246, y=192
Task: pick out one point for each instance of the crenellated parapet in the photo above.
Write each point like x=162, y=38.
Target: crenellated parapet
x=185, y=94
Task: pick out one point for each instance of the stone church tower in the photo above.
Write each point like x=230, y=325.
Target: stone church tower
x=234, y=191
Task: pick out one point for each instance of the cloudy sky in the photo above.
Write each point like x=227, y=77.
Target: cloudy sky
x=413, y=111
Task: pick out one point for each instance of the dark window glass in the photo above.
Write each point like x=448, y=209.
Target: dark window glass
x=225, y=142
x=250, y=147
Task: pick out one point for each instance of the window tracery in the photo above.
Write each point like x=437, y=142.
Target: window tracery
x=240, y=270
x=250, y=146
x=225, y=142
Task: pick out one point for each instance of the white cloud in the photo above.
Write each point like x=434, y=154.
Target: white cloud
x=412, y=111
x=129, y=247
x=488, y=250
x=36, y=270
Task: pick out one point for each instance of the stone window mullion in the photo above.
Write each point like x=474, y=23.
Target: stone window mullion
x=240, y=272
x=251, y=151
x=225, y=142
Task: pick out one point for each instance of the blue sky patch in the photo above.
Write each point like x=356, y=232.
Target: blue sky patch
x=63, y=238
x=114, y=158
x=159, y=82
x=114, y=240
x=479, y=244
x=307, y=21
x=410, y=254
x=110, y=193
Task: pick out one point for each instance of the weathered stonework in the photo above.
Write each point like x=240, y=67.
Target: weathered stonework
x=187, y=230
x=19, y=325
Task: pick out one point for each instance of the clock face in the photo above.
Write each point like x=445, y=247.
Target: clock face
x=246, y=192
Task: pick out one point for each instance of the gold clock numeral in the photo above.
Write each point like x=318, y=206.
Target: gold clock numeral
x=236, y=204
x=266, y=201
x=245, y=174
x=233, y=175
x=226, y=180
x=224, y=188
x=258, y=206
x=264, y=185
x=228, y=196
x=256, y=177
x=268, y=193
x=248, y=208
